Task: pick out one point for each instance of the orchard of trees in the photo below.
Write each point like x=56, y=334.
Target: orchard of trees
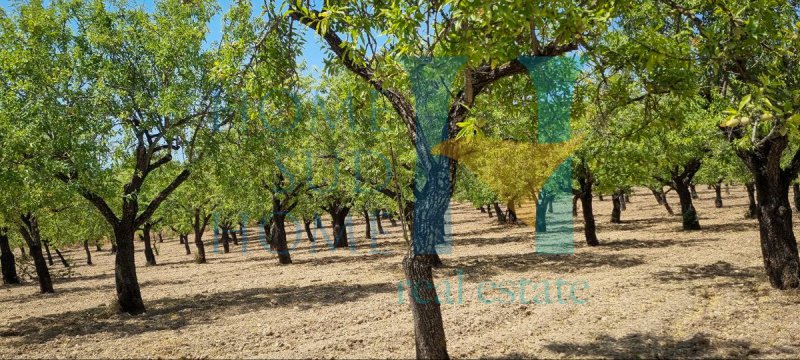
x=123, y=124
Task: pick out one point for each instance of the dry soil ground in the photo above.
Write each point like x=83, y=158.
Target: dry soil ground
x=653, y=291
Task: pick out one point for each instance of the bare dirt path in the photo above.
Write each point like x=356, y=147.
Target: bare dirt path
x=653, y=291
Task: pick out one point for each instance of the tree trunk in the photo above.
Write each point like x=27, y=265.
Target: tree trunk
x=575, y=199
x=148, y=245
x=318, y=220
x=234, y=238
x=307, y=227
x=511, y=213
x=129, y=294
x=339, y=215
x=483, y=210
x=47, y=249
x=368, y=226
x=693, y=191
x=61, y=257
x=185, y=239
x=226, y=241
x=616, y=200
x=97, y=246
x=657, y=195
x=392, y=219
x=426, y=311
x=200, y=223
x=279, y=238
x=88, y=253
x=796, y=189
x=541, y=216
x=688, y=213
x=666, y=203
x=778, y=244
x=489, y=210
x=589, y=228
x=500, y=215
x=7, y=260
x=600, y=197
x=113, y=247
x=682, y=183
x=752, y=209
x=550, y=206
x=623, y=205
x=378, y=216
x=160, y=237
x=718, y=197
x=30, y=232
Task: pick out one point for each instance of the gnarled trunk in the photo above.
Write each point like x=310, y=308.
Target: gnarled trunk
x=129, y=295
x=30, y=232
x=616, y=212
x=279, y=238
x=307, y=227
x=682, y=183
x=501, y=217
x=778, y=244
x=149, y=256
x=339, y=215
x=200, y=223
x=752, y=208
x=7, y=259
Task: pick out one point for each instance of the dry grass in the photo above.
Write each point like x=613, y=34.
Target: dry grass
x=655, y=291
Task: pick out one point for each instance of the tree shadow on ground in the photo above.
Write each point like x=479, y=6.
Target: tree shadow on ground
x=719, y=269
x=104, y=287
x=490, y=265
x=651, y=346
x=175, y=313
x=652, y=244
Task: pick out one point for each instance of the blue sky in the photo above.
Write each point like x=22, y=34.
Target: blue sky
x=313, y=50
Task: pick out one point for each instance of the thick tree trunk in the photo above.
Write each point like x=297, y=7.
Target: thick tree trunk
x=61, y=257
x=47, y=249
x=616, y=212
x=339, y=215
x=88, y=253
x=226, y=241
x=511, y=213
x=30, y=232
x=7, y=260
x=623, y=205
x=501, y=217
x=129, y=294
x=378, y=216
x=589, y=228
x=688, y=213
x=368, y=226
x=718, y=193
x=235, y=238
x=149, y=256
x=279, y=238
x=778, y=243
x=426, y=311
